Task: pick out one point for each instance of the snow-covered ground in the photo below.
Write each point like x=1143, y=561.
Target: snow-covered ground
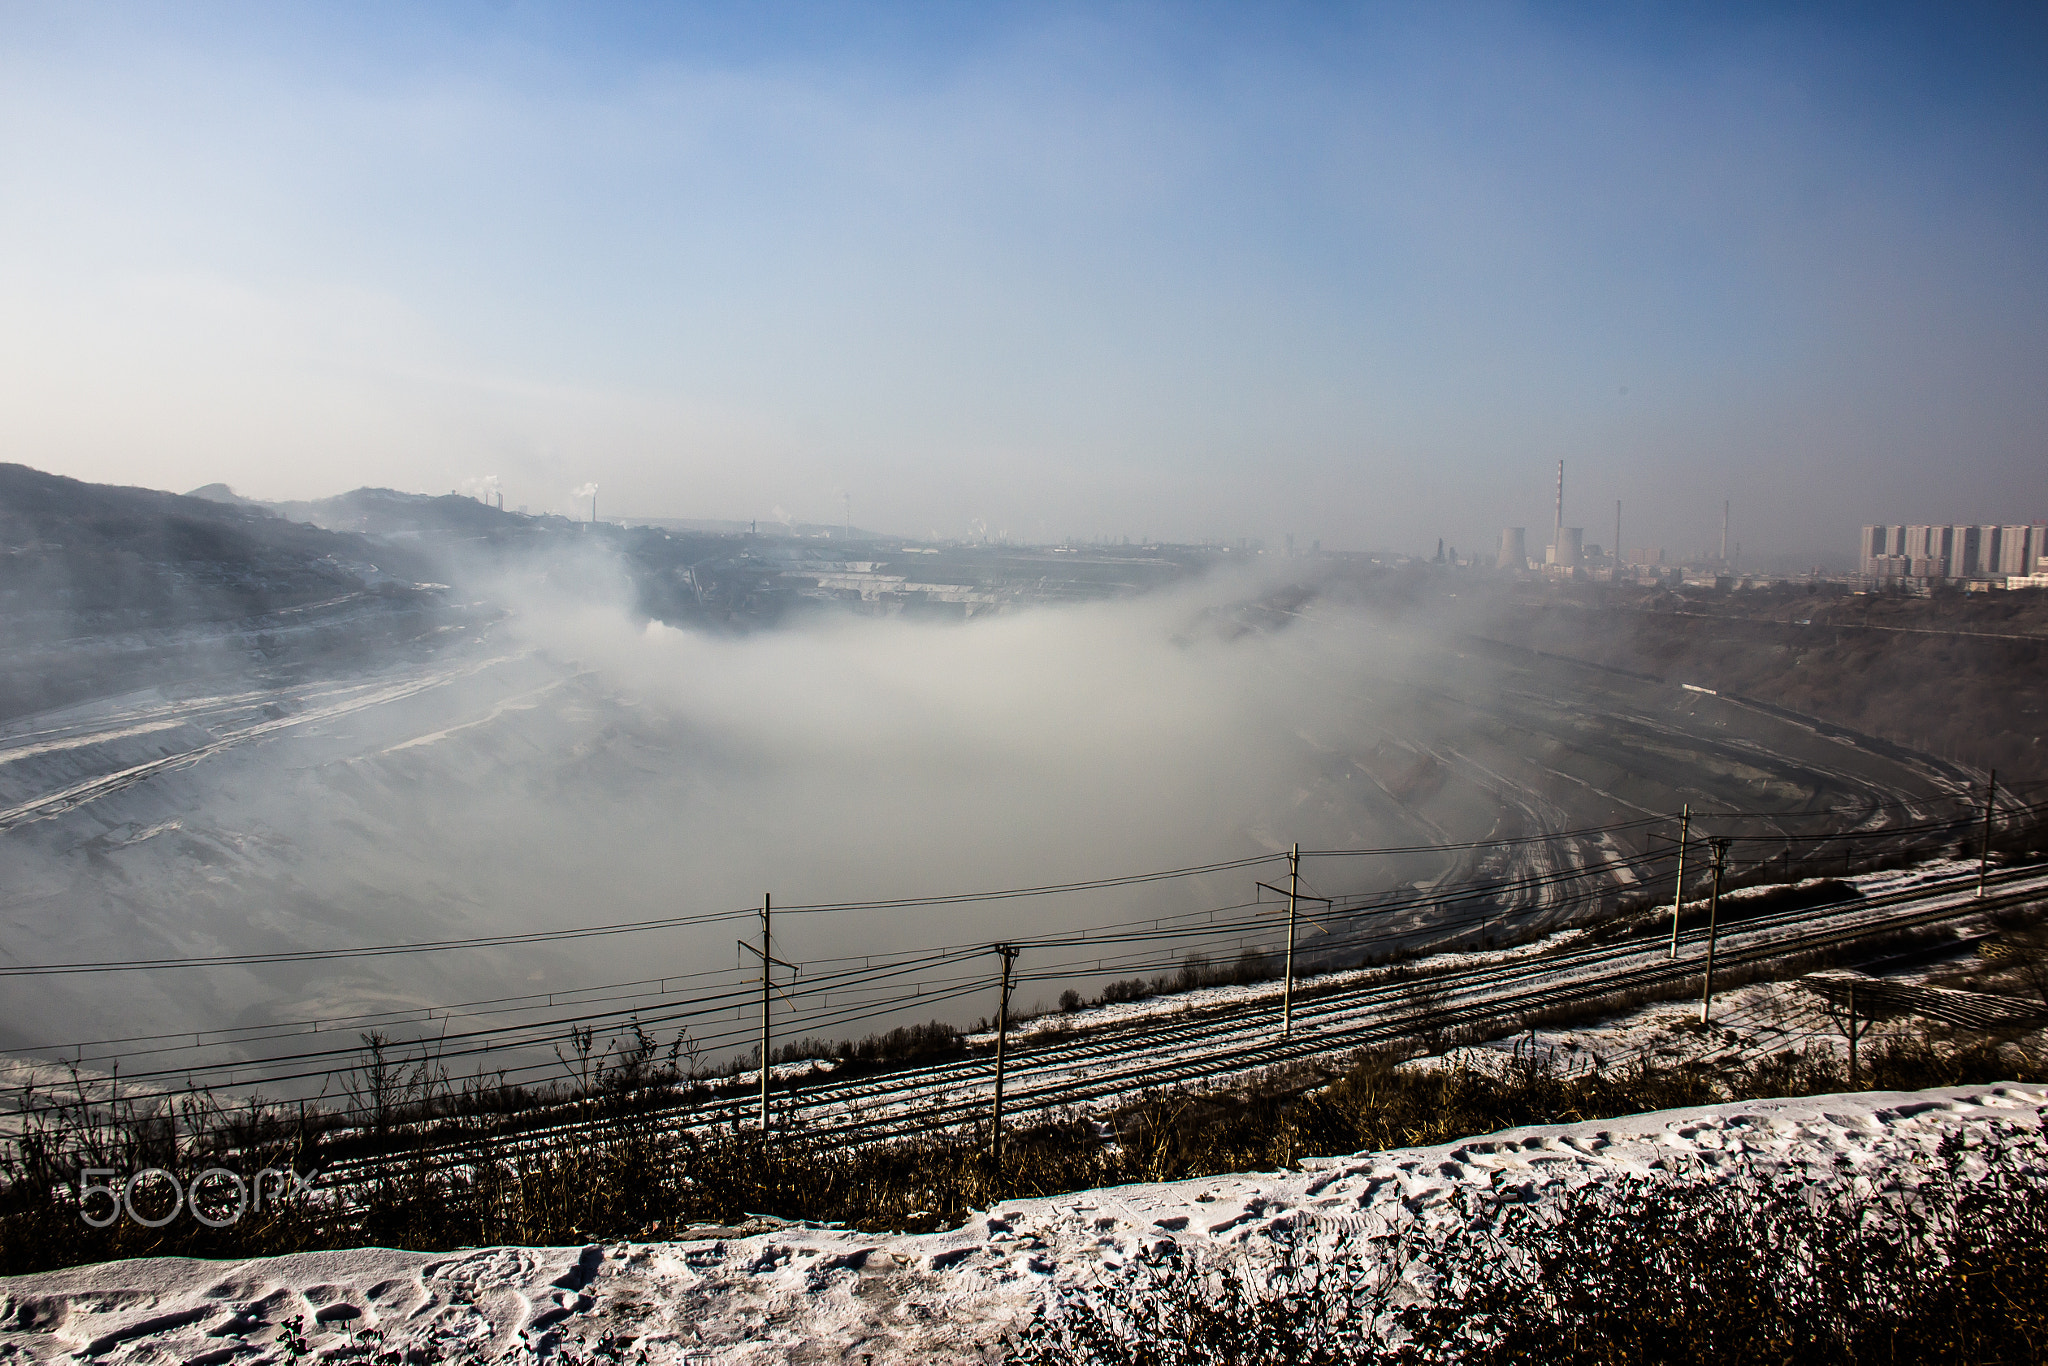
x=805, y=1294
x=1928, y=873
x=1201, y=1000
x=1749, y=1023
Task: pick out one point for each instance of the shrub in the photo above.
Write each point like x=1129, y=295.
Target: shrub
x=1630, y=1271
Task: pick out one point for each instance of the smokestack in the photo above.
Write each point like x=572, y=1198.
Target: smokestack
x=1724, y=533
x=1557, y=533
x=1617, y=534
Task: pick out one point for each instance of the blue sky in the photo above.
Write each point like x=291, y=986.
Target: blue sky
x=1362, y=274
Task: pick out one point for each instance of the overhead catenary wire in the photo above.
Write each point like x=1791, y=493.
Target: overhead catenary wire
x=933, y=1109
x=1160, y=928
x=574, y=932
x=1350, y=912
x=480, y=1043
x=927, y=1116
x=627, y=927
x=532, y=1033
x=541, y=1031
x=224, y=960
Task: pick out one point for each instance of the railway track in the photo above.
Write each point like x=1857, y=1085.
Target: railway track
x=1218, y=1045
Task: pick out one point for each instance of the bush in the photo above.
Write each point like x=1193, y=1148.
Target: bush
x=1629, y=1271
x=617, y=1156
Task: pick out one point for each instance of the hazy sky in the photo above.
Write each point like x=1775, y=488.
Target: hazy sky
x=1358, y=273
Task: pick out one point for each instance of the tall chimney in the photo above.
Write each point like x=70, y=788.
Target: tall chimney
x=1617, y=534
x=1724, y=533
x=1557, y=535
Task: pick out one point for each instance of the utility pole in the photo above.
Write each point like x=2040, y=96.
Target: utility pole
x=995, y=1142
x=1984, y=855
x=768, y=962
x=1678, y=893
x=1294, y=896
x=1713, y=925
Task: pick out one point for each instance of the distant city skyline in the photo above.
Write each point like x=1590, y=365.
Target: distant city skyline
x=1352, y=274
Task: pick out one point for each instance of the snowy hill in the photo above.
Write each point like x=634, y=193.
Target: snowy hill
x=777, y=1293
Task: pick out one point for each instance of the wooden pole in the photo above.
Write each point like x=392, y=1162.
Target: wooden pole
x=1713, y=926
x=995, y=1146
x=1678, y=894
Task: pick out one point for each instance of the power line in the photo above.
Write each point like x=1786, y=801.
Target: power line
x=371, y=950
x=1169, y=928
x=1349, y=912
x=1511, y=842
x=1049, y=889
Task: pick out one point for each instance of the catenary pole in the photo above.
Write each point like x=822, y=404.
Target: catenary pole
x=1293, y=904
x=1292, y=891
x=769, y=962
x=1713, y=926
x=1678, y=893
x=995, y=1148
x=1984, y=854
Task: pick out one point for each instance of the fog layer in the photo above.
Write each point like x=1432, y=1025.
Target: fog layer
x=571, y=765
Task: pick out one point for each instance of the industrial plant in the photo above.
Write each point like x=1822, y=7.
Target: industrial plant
x=1569, y=556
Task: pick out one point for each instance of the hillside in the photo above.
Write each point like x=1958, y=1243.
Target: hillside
x=105, y=588
x=1962, y=676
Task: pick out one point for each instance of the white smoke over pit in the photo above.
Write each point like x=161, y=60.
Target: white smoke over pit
x=575, y=766
x=853, y=758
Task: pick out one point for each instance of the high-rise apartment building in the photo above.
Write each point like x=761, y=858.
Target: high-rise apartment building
x=1927, y=551
x=2019, y=548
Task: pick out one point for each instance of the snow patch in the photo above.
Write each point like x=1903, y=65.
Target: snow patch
x=781, y=1292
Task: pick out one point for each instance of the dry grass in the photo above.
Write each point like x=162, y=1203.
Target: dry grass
x=1632, y=1272
x=630, y=1172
